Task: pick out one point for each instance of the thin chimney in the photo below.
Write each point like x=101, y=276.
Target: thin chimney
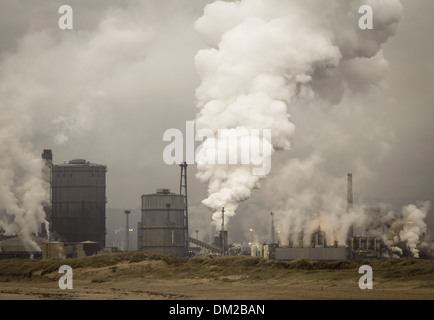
x=272, y=231
x=350, y=192
x=350, y=207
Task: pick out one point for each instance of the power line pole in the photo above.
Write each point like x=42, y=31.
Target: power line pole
x=127, y=232
x=183, y=186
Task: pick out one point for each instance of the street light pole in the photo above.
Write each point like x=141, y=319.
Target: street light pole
x=127, y=232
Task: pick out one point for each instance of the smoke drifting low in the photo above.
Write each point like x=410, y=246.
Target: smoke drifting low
x=314, y=199
x=54, y=87
x=23, y=190
x=108, y=89
x=267, y=56
x=410, y=228
x=310, y=199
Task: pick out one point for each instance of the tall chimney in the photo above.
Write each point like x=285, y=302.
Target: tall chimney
x=47, y=156
x=223, y=231
x=350, y=207
x=272, y=230
x=350, y=192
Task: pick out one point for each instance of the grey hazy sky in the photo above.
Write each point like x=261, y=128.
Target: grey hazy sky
x=107, y=90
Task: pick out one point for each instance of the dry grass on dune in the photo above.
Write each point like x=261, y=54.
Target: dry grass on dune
x=145, y=276
x=116, y=266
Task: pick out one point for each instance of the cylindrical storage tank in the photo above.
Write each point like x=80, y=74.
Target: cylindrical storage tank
x=79, y=202
x=266, y=252
x=162, y=227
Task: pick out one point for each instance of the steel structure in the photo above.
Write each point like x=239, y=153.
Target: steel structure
x=78, y=202
x=162, y=226
x=183, y=192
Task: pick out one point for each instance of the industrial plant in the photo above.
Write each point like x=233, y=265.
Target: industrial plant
x=76, y=216
x=76, y=213
x=319, y=249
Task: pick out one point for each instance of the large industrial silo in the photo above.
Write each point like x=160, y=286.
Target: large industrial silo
x=162, y=228
x=78, y=202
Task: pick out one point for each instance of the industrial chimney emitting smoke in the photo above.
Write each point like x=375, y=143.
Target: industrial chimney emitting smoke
x=47, y=156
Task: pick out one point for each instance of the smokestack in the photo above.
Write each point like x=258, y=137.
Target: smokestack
x=223, y=231
x=223, y=219
x=350, y=206
x=47, y=156
x=272, y=230
x=350, y=192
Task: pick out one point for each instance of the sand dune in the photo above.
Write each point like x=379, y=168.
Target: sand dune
x=130, y=276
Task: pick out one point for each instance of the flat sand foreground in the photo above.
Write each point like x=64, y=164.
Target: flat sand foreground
x=138, y=276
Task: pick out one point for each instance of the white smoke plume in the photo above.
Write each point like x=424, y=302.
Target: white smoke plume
x=23, y=190
x=412, y=226
x=396, y=252
x=266, y=55
x=403, y=232
x=53, y=87
x=312, y=199
x=80, y=121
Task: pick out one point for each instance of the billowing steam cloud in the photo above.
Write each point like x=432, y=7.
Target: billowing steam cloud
x=266, y=55
x=312, y=199
x=404, y=230
x=53, y=88
x=410, y=228
x=23, y=189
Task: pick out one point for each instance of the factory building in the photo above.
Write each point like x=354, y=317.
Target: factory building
x=163, y=227
x=323, y=254
x=221, y=241
x=78, y=211
x=317, y=249
x=356, y=246
x=75, y=213
x=12, y=247
x=364, y=242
